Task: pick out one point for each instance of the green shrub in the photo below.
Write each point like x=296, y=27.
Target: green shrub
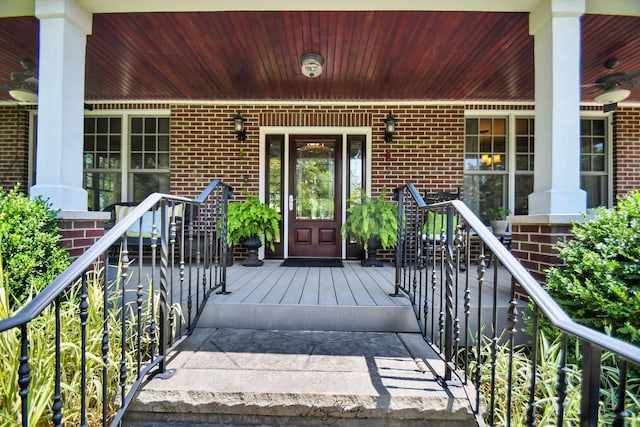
x=600, y=284
x=29, y=244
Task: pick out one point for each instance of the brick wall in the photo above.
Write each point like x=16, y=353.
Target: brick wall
x=78, y=235
x=626, y=156
x=426, y=150
x=532, y=245
x=14, y=146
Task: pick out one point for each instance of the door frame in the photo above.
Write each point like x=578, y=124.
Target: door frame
x=312, y=130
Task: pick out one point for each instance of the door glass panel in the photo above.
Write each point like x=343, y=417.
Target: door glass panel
x=315, y=180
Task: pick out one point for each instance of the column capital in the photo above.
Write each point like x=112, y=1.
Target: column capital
x=68, y=9
x=548, y=9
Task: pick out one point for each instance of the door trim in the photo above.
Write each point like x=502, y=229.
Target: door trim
x=312, y=130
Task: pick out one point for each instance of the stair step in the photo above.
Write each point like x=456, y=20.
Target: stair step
x=244, y=377
x=309, y=317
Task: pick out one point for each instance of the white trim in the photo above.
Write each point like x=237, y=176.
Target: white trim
x=287, y=131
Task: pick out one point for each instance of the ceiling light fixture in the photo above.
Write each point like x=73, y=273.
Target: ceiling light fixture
x=612, y=96
x=311, y=65
x=24, y=95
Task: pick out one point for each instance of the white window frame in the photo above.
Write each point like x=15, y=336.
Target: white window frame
x=511, y=117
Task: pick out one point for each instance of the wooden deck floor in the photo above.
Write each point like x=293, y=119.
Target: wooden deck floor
x=351, y=285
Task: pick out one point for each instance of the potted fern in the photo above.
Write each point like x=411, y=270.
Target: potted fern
x=253, y=224
x=372, y=223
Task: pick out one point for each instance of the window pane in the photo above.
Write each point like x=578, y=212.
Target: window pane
x=471, y=145
x=147, y=183
x=598, y=163
x=136, y=125
x=103, y=189
x=598, y=127
x=115, y=125
x=89, y=125
x=484, y=192
x=596, y=188
x=522, y=127
x=522, y=162
x=524, y=187
x=102, y=125
x=163, y=143
x=136, y=143
x=471, y=126
x=499, y=126
x=149, y=143
x=163, y=160
x=150, y=125
x=163, y=125
x=136, y=161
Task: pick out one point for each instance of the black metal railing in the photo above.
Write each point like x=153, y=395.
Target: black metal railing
x=460, y=316
x=154, y=270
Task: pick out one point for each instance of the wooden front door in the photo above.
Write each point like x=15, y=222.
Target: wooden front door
x=315, y=198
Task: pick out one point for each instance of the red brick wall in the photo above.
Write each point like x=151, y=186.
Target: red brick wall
x=79, y=235
x=14, y=146
x=532, y=245
x=626, y=156
x=427, y=148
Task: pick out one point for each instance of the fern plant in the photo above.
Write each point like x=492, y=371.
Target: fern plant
x=367, y=218
x=252, y=217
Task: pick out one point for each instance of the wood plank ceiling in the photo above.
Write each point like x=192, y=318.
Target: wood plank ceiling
x=374, y=55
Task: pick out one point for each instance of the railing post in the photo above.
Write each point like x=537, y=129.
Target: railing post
x=223, y=240
x=590, y=394
x=398, y=195
x=449, y=316
x=163, y=309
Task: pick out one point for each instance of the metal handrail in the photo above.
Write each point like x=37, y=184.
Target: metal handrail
x=164, y=238
x=558, y=317
x=432, y=269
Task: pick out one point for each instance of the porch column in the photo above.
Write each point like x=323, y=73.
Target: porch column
x=557, y=198
x=555, y=25
x=64, y=26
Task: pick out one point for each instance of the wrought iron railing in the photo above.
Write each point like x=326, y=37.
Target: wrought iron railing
x=460, y=316
x=155, y=269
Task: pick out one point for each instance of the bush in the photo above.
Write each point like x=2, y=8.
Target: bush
x=29, y=244
x=600, y=284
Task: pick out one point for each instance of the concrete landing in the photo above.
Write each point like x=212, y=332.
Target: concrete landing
x=292, y=377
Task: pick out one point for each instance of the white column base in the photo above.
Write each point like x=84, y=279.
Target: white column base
x=71, y=198
x=557, y=202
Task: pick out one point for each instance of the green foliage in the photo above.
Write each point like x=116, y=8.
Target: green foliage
x=600, y=284
x=549, y=353
x=29, y=243
x=252, y=217
x=368, y=218
x=499, y=213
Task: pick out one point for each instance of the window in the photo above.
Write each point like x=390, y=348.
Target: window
x=126, y=158
x=524, y=165
x=490, y=180
x=102, y=161
x=485, y=164
x=149, y=161
x=594, y=178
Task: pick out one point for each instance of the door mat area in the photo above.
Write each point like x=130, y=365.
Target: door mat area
x=312, y=262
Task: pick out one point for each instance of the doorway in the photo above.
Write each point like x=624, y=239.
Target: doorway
x=308, y=175
x=314, y=202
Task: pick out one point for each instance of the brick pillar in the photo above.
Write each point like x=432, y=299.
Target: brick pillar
x=80, y=230
x=534, y=238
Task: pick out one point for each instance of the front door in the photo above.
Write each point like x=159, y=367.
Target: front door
x=315, y=198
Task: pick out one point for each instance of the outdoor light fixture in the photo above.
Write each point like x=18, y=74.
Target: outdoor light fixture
x=389, y=128
x=311, y=65
x=238, y=127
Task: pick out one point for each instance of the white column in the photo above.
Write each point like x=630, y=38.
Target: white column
x=555, y=25
x=64, y=26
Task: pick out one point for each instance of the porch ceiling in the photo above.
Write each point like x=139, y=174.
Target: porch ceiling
x=370, y=55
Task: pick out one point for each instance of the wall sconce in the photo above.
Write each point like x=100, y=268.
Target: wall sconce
x=238, y=127
x=389, y=128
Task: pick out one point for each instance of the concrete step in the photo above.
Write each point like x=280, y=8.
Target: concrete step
x=309, y=317
x=247, y=377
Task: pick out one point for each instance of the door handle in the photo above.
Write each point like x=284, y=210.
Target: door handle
x=291, y=202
